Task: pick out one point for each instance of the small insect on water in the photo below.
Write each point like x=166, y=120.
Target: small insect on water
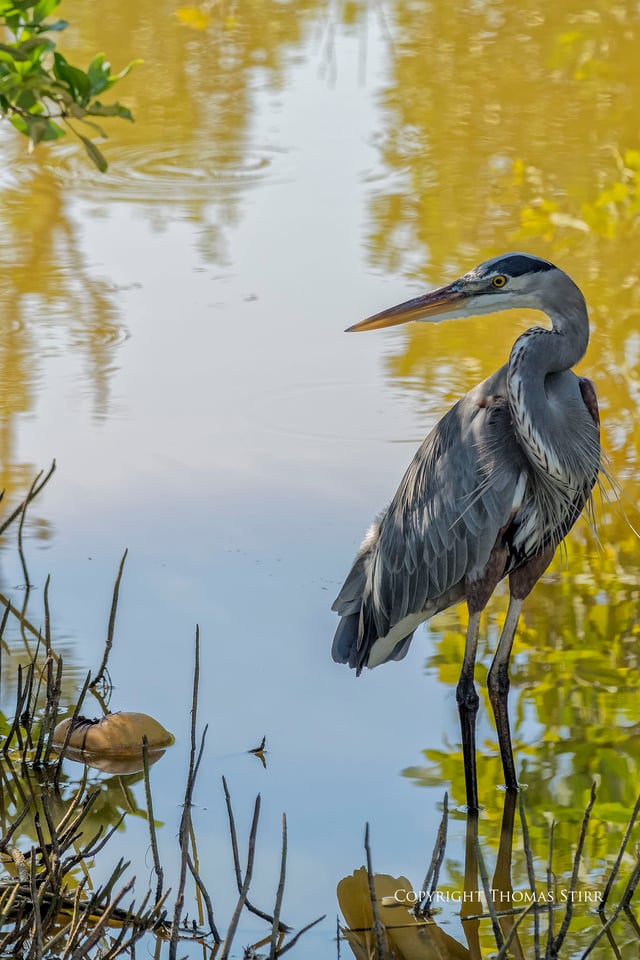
x=492, y=491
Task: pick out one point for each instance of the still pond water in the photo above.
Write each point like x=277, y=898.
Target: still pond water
x=173, y=337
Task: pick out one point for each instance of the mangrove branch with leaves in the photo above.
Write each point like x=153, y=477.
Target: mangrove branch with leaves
x=41, y=93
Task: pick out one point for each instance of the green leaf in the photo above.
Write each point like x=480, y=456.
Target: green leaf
x=14, y=22
x=76, y=111
x=94, y=154
x=96, y=127
x=43, y=8
x=17, y=121
x=37, y=128
x=57, y=25
x=13, y=51
x=35, y=48
x=98, y=73
x=37, y=82
x=28, y=101
x=110, y=110
x=77, y=80
x=127, y=70
x=54, y=130
x=9, y=85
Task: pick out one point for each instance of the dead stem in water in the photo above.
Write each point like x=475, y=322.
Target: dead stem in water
x=394, y=933
x=49, y=905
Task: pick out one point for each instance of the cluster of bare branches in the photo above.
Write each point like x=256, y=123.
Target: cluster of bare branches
x=392, y=934
x=48, y=905
x=276, y=939
x=39, y=907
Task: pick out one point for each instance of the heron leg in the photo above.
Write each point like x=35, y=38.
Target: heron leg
x=468, y=702
x=478, y=592
x=498, y=686
x=521, y=583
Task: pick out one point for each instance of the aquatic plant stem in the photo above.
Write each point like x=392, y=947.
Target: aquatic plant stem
x=157, y=866
x=100, y=676
x=280, y=892
x=378, y=927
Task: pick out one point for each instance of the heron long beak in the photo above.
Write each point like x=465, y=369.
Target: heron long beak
x=440, y=301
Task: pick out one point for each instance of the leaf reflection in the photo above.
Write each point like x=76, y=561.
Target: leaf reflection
x=527, y=900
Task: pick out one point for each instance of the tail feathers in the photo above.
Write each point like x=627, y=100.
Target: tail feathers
x=347, y=645
x=348, y=648
x=349, y=600
x=401, y=648
x=345, y=641
x=356, y=640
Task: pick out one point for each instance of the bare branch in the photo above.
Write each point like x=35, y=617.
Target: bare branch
x=112, y=624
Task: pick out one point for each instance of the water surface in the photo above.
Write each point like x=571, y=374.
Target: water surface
x=172, y=335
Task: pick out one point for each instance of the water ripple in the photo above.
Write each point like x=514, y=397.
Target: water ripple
x=172, y=173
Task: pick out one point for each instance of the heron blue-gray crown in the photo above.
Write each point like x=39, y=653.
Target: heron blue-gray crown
x=515, y=265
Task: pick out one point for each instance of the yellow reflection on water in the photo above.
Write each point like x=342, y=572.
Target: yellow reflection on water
x=192, y=99
x=500, y=127
x=513, y=129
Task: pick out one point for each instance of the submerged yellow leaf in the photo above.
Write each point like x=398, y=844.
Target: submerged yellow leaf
x=407, y=936
x=193, y=17
x=112, y=743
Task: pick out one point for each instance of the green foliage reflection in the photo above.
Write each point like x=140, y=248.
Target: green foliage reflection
x=515, y=132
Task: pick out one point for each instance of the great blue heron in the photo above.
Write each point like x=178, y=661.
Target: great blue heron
x=492, y=491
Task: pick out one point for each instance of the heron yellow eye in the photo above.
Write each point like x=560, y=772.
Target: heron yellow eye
x=499, y=281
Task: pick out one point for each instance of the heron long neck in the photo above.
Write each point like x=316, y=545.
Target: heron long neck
x=535, y=355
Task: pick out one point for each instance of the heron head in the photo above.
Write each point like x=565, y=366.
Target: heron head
x=511, y=280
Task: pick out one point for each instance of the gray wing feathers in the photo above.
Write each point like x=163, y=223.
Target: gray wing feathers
x=443, y=522
x=345, y=641
x=349, y=600
x=440, y=527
